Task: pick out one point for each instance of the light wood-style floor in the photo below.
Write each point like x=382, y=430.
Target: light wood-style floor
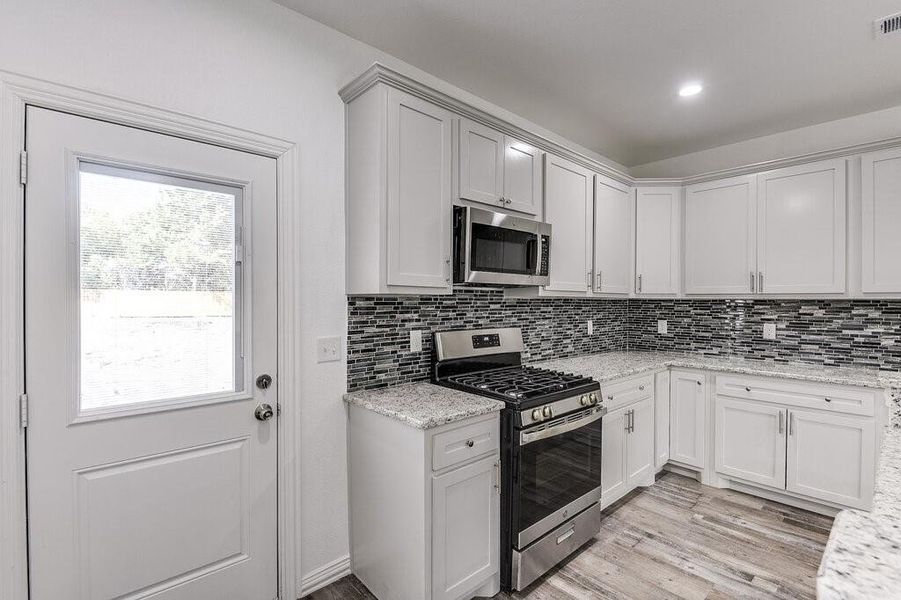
x=678, y=539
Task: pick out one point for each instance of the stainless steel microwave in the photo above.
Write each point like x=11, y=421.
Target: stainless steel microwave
x=500, y=249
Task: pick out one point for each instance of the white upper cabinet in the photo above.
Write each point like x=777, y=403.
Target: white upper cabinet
x=881, y=221
x=612, y=237
x=657, y=232
x=801, y=229
x=522, y=176
x=419, y=192
x=721, y=237
x=481, y=163
x=498, y=170
x=568, y=208
x=399, y=194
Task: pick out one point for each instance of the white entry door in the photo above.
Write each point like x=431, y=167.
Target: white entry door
x=150, y=285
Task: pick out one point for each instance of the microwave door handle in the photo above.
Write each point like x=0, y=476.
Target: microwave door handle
x=540, y=254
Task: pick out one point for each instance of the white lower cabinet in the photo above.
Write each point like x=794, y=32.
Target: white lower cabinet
x=688, y=418
x=770, y=436
x=465, y=520
x=750, y=441
x=627, y=459
x=831, y=457
x=424, y=507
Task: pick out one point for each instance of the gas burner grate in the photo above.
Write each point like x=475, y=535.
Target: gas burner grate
x=519, y=383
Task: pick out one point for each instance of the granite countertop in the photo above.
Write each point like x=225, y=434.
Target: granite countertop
x=863, y=555
x=423, y=405
x=608, y=366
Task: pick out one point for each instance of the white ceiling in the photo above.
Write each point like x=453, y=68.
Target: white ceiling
x=605, y=73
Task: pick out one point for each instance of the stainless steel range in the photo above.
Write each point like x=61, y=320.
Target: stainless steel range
x=550, y=447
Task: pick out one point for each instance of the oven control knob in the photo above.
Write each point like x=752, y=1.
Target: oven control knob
x=585, y=400
x=593, y=397
x=546, y=411
x=536, y=414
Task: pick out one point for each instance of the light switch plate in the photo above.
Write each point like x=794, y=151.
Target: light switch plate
x=590, y=327
x=662, y=327
x=415, y=340
x=328, y=349
x=769, y=331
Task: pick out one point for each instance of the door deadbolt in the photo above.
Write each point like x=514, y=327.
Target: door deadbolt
x=264, y=381
x=264, y=412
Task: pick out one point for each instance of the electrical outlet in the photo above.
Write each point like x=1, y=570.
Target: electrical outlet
x=590, y=327
x=769, y=331
x=328, y=349
x=415, y=340
x=662, y=327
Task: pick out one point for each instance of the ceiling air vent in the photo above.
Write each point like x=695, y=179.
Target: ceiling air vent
x=887, y=25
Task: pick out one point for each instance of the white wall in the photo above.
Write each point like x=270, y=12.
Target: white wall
x=859, y=129
x=255, y=65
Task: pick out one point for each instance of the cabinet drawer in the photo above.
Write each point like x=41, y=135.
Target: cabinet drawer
x=842, y=399
x=623, y=392
x=463, y=443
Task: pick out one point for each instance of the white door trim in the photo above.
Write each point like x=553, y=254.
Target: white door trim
x=17, y=92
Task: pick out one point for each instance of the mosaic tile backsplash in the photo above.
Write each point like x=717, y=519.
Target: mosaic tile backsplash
x=834, y=332
x=378, y=329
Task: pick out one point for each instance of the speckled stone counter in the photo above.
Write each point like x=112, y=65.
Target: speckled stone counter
x=607, y=366
x=863, y=556
x=423, y=405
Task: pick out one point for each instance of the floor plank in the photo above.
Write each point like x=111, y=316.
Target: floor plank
x=679, y=540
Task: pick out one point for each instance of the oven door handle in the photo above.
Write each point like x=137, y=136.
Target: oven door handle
x=526, y=437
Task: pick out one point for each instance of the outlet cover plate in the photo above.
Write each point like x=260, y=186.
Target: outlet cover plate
x=590, y=327
x=769, y=331
x=328, y=349
x=662, y=327
x=415, y=340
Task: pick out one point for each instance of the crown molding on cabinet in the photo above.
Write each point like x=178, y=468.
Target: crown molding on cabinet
x=379, y=73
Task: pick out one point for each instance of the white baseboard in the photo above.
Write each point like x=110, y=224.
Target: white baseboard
x=324, y=575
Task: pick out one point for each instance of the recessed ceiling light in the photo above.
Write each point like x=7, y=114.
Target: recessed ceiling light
x=690, y=89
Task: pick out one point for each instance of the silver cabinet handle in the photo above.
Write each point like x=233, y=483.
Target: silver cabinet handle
x=639, y=282
x=752, y=282
x=447, y=269
x=641, y=388
x=567, y=535
x=781, y=421
x=760, y=281
x=470, y=443
x=501, y=200
x=497, y=478
x=791, y=424
x=508, y=201
x=588, y=280
x=599, y=273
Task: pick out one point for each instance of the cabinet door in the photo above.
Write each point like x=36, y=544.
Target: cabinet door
x=721, y=237
x=801, y=229
x=688, y=418
x=661, y=418
x=465, y=528
x=640, y=444
x=613, y=457
x=750, y=441
x=831, y=457
x=481, y=163
x=612, y=236
x=567, y=207
x=522, y=176
x=881, y=221
x=419, y=193
x=657, y=240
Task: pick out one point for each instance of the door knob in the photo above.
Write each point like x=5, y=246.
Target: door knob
x=264, y=381
x=264, y=412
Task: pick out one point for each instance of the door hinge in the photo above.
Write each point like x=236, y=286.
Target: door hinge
x=23, y=167
x=23, y=411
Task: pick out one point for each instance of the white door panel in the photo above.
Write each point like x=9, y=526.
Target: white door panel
x=150, y=307
x=481, y=163
x=657, y=240
x=522, y=176
x=567, y=207
x=613, y=457
x=612, y=237
x=881, y=221
x=750, y=441
x=801, y=229
x=688, y=409
x=721, y=237
x=640, y=444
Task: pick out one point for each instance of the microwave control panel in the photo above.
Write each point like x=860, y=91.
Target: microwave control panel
x=545, y=255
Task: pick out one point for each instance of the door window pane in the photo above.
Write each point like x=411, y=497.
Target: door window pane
x=159, y=312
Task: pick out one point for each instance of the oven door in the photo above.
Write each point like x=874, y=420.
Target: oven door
x=501, y=249
x=557, y=473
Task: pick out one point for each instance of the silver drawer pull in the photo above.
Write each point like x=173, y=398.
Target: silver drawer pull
x=747, y=389
x=610, y=397
x=469, y=443
x=562, y=538
x=828, y=399
x=641, y=387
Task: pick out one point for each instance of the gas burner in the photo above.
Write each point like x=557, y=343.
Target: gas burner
x=518, y=383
